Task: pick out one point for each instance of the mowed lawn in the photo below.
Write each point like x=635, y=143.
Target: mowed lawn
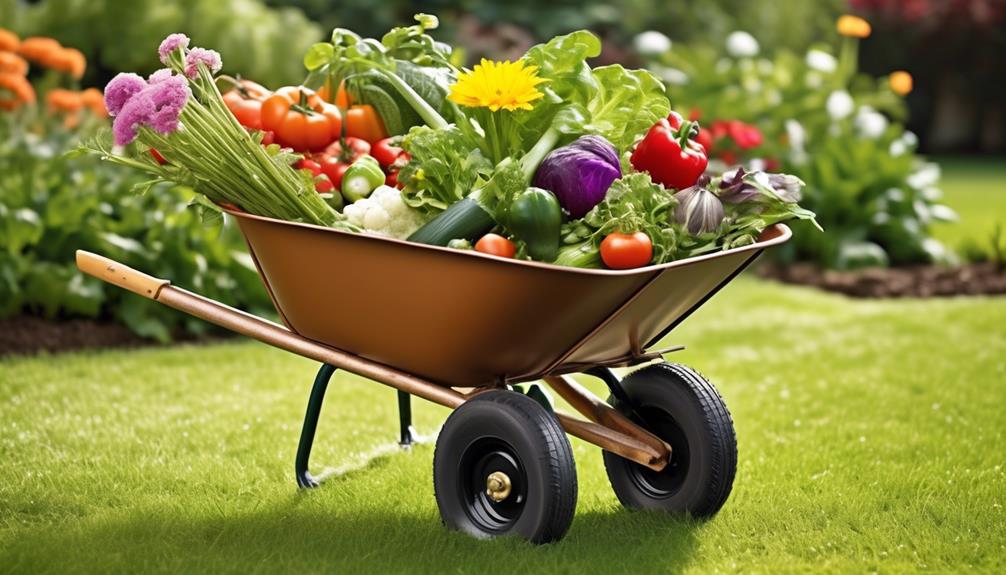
x=976, y=189
x=871, y=437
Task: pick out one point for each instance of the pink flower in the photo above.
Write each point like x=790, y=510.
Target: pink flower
x=172, y=43
x=120, y=90
x=134, y=114
x=168, y=97
x=160, y=76
x=196, y=56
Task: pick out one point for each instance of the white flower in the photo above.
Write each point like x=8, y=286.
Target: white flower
x=671, y=76
x=924, y=177
x=840, y=104
x=870, y=123
x=740, y=44
x=821, y=61
x=910, y=139
x=797, y=137
x=898, y=147
x=651, y=43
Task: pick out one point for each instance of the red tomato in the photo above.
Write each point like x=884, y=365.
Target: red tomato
x=323, y=185
x=626, y=251
x=496, y=245
x=305, y=164
x=385, y=152
x=348, y=149
x=392, y=180
x=268, y=138
x=248, y=112
x=300, y=119
x=157, y=156
x=334, y=168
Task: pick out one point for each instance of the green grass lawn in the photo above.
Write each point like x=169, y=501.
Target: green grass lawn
x=976, y=189
x=871, y=438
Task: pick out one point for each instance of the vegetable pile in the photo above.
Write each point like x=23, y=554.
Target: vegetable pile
x=544, y=158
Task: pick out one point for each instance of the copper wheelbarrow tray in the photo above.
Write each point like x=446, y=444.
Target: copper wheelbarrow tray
x=467, y=319
x=445, y=324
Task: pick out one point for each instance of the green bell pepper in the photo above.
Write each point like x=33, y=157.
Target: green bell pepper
x=536, y=218
x=361, y=178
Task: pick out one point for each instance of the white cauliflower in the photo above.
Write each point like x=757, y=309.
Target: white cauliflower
x=384, y=213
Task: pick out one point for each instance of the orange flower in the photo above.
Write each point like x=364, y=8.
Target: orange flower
x=69, y=60
x=11, y=63
x=18, y=86
x=854, y=26
x=94, y=100
x=39, y=49
x=62, y=100
x=901, y=82
x=9, y=42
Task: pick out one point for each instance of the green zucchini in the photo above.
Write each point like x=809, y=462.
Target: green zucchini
x=466, y=220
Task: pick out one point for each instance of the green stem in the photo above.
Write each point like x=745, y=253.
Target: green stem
x=533, y=158
x=429, y=115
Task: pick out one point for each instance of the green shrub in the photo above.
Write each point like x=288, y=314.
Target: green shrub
x=841, y=132
x=52, y=205
x=257, y=42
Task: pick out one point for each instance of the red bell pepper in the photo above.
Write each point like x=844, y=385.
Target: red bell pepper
x=670, y=155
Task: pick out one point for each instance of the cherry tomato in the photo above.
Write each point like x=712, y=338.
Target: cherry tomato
x=323, y=185
x=392, y=180
x=306, y=164
x=300, y=119
x=157, y=156
x=626, y=251
x=268, y=138
x=385, y=152
x=363, y=122
x=496, y=245
x=334, y=168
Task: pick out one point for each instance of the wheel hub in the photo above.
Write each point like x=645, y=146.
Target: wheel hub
x=498, y=486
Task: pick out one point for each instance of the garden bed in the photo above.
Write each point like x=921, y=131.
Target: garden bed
x=27, y=335
x=909, y=281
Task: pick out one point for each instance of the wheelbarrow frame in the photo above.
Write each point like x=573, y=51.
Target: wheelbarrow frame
x=603, y=426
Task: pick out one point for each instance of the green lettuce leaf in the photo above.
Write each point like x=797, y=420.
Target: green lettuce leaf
x=626, y=104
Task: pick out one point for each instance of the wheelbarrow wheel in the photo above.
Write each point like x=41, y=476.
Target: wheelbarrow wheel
x=680, y=406
x=503, y=466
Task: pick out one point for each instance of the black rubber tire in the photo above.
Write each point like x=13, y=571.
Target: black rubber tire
x=504, y=429
x=681, y=407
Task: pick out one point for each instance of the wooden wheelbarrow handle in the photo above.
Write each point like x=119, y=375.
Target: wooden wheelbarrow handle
x=117, y=274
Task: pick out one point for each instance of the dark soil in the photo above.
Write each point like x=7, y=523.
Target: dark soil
x=912, y=281
x=25, y=335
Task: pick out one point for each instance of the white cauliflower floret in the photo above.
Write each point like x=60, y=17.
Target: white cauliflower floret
x=384, y=213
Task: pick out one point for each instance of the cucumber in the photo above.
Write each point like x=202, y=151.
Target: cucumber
x=466, y=220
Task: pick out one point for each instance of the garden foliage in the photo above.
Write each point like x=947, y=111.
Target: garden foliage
x=839, y=131
x=52, y=205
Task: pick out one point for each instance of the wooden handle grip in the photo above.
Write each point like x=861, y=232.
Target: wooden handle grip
x=117, y=274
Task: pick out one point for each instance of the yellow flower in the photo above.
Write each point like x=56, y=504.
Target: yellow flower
x=901, y=82
x=495, y=85
x=854, y=26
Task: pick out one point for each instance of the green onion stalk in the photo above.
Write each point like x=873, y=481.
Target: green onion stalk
x=180, y=113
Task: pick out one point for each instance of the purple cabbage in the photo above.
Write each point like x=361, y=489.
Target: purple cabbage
x=580, y=173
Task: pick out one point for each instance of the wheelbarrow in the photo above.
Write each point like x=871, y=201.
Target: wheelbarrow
x=464, y=330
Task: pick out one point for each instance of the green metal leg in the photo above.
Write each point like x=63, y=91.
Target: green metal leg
x=304, y=479
x=408, y=434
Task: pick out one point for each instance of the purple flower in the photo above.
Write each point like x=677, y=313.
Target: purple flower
x=198, y=56
x=135, y=113
x=160, y=76
x=168, y=97
x=170, y=44
x=120, y=90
